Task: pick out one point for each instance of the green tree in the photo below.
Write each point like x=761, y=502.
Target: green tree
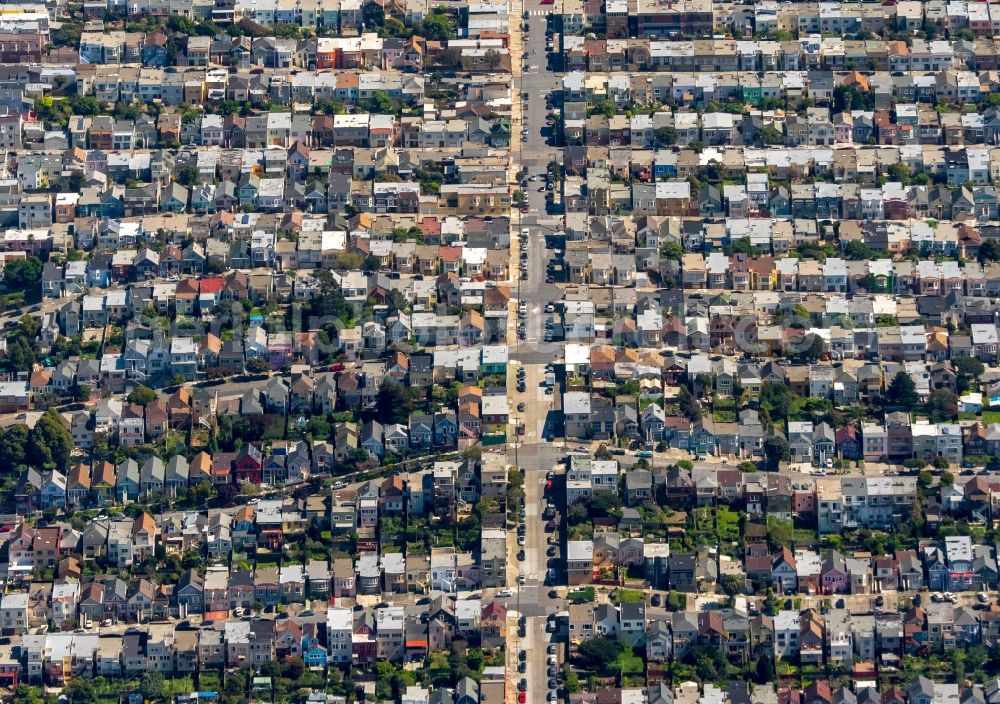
x=438, y=26
x=142, y=395
x=899, y=172
x=22, y=274
x=776, y=450
x=688, y=405
x=770, y=134
x=968, y=367
x=50, y=442
x=188, y=175
x=393, y=404
x=13, y=445
x=80, y=690
x=902, y=392
x=602, y=106
x=672, y=251
x=257, y=365
x=942, y=405
x=815, y=350
x=151, y=685
x=600, y=654
x=779, y=532
x=76, y=181
x=492, y=59
x=856, y=250
x=765, y=670
x=989, y=250
x=665, y=136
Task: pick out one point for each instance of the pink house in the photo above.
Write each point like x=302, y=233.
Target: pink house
x=833, y=573
x=279, y=350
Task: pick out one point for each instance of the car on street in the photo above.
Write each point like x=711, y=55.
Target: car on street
x=522, y=685
x=522, y=697
x=553, y=684
x=520, y=407
x=551, y=650
x=551, y=552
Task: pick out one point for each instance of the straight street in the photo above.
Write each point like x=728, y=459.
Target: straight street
x=532, y=82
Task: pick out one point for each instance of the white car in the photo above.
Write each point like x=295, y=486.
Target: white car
x=503, y=593
x=983, y=597
x=521, y=579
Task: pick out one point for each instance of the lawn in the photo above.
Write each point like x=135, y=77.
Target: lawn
x=804, y=536
x=628, y=596
x=729, y=524
x=582, y=596
x=630, y=663
x=991, y=417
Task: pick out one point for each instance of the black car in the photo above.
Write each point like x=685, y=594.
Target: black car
x=520, y=407
x=522, y=685
x=655, y=600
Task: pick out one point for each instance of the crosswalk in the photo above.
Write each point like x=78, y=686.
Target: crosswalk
x=539, y=13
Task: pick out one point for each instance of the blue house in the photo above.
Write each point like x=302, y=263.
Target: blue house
x=703, y=440
x=314, y=655
x=665, y=164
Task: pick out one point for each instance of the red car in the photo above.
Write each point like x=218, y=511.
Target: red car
x=522, y=697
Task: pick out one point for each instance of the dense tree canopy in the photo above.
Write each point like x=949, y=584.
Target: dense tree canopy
x=50, y=442
x=21, y=274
